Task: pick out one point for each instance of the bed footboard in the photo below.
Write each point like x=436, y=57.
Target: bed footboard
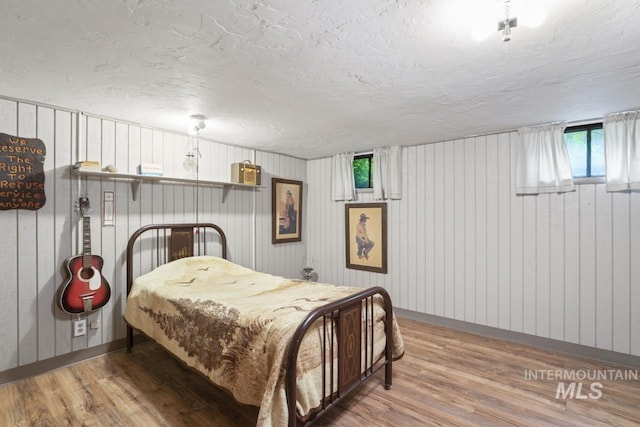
x=354, y=330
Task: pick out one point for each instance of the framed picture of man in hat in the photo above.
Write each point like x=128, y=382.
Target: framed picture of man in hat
x=286, y=205
x=366, y=236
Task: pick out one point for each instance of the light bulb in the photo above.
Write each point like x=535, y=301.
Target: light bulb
x=533, y=17
x=529, y=13
x=481, y=30
x=483, y=18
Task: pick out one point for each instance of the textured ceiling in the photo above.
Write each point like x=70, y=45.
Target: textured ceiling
x=311, y=78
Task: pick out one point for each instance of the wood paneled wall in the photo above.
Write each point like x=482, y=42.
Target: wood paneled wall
x=36, y=243
x=462, y=245
x=284, y=259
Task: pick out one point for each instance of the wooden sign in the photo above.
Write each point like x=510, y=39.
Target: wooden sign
x=21, y=172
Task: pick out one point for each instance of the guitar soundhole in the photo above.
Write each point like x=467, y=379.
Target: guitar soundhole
x=86, y=273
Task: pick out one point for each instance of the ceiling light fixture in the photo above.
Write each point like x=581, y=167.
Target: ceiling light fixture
x=507, y=23
x=198, y=122
x=514, y=13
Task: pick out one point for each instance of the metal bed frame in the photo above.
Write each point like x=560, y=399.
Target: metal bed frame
x=351, y=318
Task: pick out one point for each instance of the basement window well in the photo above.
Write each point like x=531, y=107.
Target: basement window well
x=363, y=170
x=585, y=145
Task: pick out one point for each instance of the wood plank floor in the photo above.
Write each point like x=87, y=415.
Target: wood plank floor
x=446, y=378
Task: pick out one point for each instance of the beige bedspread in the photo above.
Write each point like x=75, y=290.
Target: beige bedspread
x=233, y=325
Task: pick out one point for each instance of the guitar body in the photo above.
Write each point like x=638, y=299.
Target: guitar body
x=84, y=284
x=85, y=289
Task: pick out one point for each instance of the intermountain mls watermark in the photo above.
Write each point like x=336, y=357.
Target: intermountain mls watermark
x=571, y=382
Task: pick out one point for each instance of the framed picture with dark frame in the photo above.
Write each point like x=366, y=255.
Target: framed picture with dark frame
x=366, y=236
x=286, y=205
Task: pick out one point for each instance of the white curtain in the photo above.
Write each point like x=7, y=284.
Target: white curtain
x=622, y=150
x=387, y=173
x=342, y=181
x=543, y=164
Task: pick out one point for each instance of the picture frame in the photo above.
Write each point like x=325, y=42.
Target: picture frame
x=366, y=236
x=286, y=210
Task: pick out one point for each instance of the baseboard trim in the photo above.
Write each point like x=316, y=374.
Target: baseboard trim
x=37, y=368
x=580, y=350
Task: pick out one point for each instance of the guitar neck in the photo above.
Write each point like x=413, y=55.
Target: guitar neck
x=86, y=242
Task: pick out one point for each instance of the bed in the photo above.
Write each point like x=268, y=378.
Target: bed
x=290, y=347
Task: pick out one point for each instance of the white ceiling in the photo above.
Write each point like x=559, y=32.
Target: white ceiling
x=310, y=78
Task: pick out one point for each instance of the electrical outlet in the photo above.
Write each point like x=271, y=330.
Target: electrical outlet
x=79, y=328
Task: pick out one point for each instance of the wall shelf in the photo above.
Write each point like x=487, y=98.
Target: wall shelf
x=136, y=180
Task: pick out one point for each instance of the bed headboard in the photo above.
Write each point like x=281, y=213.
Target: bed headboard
x=157, y=244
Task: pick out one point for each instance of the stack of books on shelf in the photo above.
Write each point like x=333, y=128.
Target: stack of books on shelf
x=150, y=169
x=87, y=165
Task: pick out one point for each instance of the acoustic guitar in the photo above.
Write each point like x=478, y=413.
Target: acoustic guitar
x=85, y=289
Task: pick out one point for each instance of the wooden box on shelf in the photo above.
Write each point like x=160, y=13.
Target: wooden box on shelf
x=245, y=173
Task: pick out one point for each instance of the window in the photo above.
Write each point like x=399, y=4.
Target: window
x=585, y=145
x=362, y=170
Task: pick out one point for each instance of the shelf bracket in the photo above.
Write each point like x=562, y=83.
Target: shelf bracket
x=135, y=188
x=225, y=192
